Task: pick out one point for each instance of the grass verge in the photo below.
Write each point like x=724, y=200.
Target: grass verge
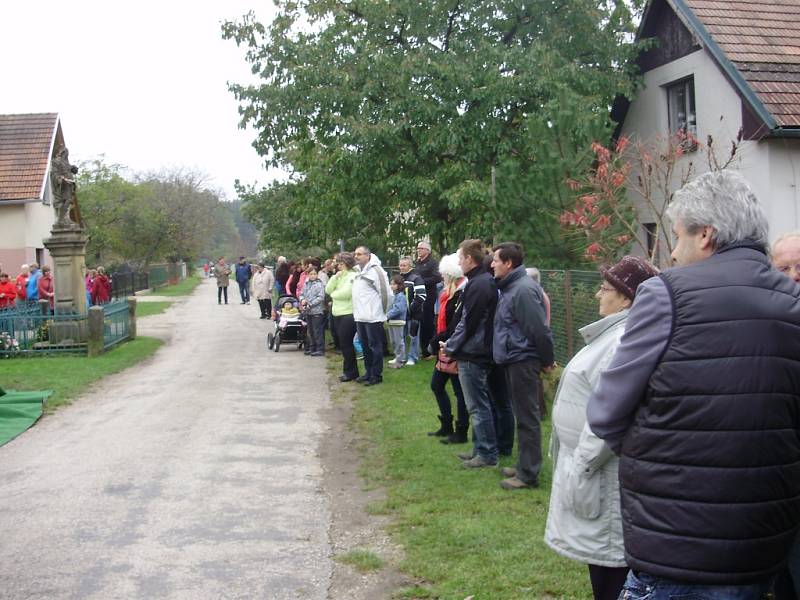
x=145, y=309
x=462, y=533
x=183, y=288
x=363, y=561
x=68, y=376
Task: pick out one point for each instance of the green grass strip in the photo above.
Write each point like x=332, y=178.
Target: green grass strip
x=183, y=288
x=462, y=533
x=145, y=309
x=69, y=376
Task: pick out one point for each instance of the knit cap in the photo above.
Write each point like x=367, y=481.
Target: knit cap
x=628, y=274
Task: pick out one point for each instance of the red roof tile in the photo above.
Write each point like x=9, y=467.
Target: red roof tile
x=762, y=39
x=25, y=149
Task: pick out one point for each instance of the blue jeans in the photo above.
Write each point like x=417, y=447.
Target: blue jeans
x=372, y=337
x=641, y=586
x=474, y=383
x=413, y=346
x=244, y=291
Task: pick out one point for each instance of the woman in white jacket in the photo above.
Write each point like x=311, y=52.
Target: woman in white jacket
x=583, y=522
x=262, y=284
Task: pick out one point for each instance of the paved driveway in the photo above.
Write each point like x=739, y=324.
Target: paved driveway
x=194, y=475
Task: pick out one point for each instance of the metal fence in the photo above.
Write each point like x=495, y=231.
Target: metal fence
x=116, y=323
x=33, y=330
x=29, y=329
x=128, y=283
x=572, y=305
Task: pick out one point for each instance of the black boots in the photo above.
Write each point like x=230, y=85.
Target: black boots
x=445, y=429
x=459, y=436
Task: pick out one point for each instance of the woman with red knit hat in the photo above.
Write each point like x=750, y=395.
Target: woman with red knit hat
x=584, y=521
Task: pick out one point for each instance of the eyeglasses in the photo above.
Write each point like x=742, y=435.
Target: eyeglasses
x=607, y=288
x=786, y=268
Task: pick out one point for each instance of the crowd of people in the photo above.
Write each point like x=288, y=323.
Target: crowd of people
x=33, y=283
x=675, y=445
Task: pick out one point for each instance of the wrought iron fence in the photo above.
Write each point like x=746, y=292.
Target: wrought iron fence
x=33, y=329
x=29, y=329
x=128, y=283
x=158, y=276
x=116, y=323
x=572, y=305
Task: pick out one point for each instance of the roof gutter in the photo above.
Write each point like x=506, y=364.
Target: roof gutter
x=781, y=132
x=728, y=67
x=17, y=202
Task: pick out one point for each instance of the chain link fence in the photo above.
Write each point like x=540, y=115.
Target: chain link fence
x=572, y=305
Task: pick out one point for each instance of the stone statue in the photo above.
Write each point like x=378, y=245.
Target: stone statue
x=62, y=180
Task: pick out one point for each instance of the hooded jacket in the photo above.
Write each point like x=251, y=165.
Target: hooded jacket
x=583, y=521
x=371, y=292
x=520, y=332
x=340, y=289
x=314, y=295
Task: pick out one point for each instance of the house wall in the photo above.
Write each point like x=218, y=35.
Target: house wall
x=771, y=166
x=22, y=229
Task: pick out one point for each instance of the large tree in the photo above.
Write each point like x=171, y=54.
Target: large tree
x=170, y=215
x=394, y=115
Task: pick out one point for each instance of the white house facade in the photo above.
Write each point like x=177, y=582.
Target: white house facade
x=27, y=145
x=711, y=76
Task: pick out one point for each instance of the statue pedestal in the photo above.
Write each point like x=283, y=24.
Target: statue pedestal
x=68, y=249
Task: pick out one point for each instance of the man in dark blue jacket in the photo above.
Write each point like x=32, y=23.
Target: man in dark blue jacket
x=701, y=401
x=471, y=345
x=522, y=345
x=243, y=275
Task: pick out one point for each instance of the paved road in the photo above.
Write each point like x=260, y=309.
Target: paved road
x=193, y=475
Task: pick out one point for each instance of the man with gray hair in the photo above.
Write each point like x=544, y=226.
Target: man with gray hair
x=786, y=255
x=427, y=268
x=701, y=400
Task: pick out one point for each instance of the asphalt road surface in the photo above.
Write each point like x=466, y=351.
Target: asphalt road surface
x=193, y=475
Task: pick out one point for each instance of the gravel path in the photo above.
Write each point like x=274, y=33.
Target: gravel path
x=193, y=475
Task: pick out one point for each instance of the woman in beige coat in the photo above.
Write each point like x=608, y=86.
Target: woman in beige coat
x=584, y=522
x=261, y=288
x=222, y=273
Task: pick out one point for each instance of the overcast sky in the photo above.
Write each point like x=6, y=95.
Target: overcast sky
x=144, y=83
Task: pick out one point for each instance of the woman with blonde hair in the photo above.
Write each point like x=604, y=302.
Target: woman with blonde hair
x=446, y=368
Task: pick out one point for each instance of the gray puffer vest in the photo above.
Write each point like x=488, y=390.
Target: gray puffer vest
x=710, y=470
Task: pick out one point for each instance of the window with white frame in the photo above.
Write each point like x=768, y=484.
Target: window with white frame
x=681, y=107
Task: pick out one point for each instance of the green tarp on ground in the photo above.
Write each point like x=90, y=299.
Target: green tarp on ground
x=18, y=411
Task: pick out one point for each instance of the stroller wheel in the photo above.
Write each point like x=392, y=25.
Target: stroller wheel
x=270, y=341
x=277, y=343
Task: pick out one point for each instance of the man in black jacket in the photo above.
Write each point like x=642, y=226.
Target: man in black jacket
x=522, y=346
x=428, y=269
x=416, y=295
x=701, y=401
x=471, y=345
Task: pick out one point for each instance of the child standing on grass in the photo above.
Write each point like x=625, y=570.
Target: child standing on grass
x=396, y=316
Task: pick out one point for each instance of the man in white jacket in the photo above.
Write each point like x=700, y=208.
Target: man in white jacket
x=372, y=296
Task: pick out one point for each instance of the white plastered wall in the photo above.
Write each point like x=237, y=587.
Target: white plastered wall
x=771, y=166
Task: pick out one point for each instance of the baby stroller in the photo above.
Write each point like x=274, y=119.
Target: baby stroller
x=289, y=329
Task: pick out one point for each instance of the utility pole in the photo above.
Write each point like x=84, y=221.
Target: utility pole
x=494, y=207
